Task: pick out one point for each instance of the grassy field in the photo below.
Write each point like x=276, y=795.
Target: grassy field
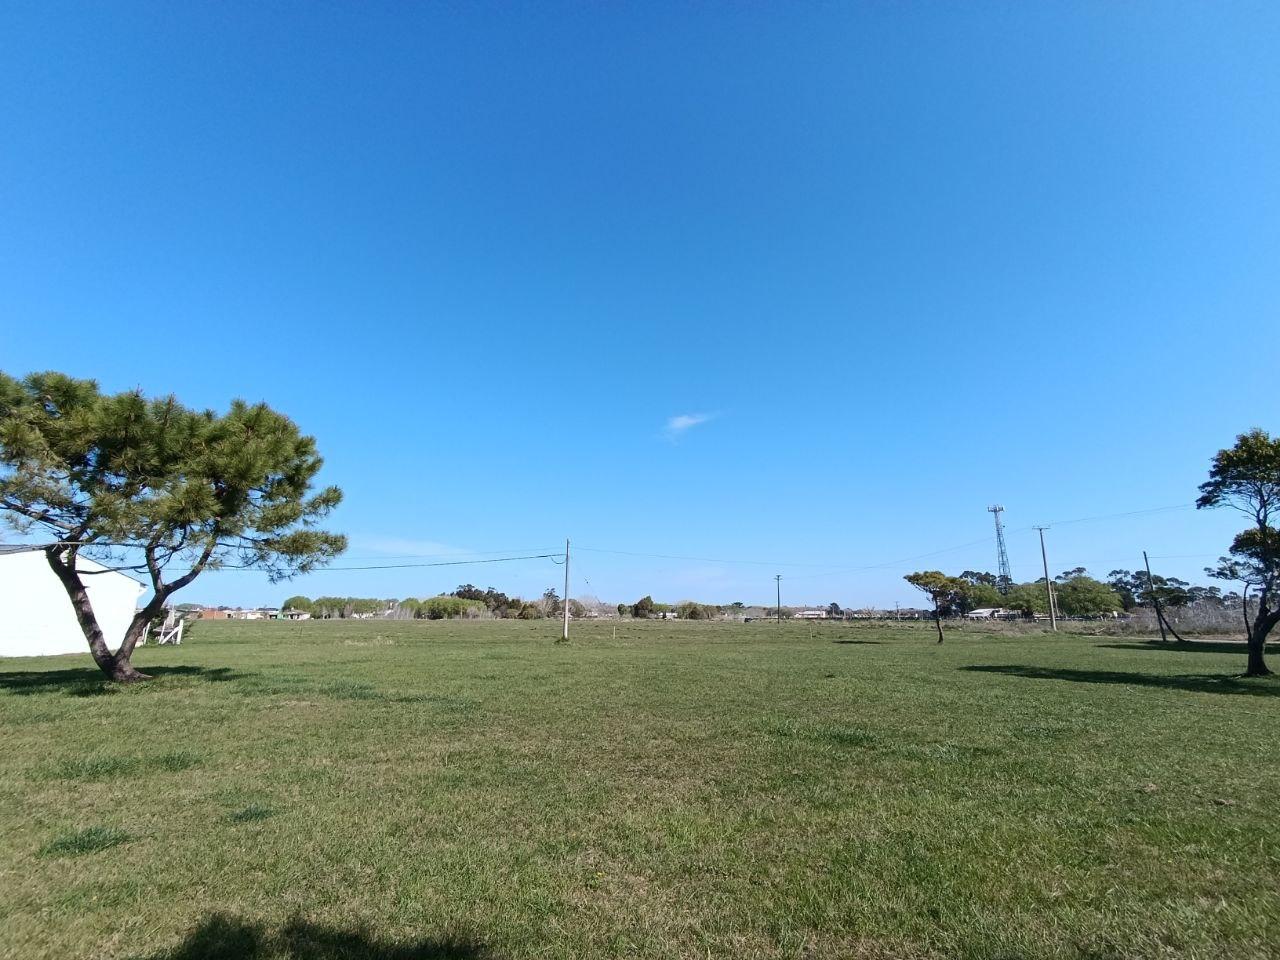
x=387, y=791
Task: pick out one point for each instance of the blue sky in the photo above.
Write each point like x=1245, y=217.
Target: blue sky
x=809, y=285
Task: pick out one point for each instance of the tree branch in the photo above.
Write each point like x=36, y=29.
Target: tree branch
x=154, y=568
x=195, y=571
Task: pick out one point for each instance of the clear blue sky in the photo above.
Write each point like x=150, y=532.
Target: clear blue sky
x=906, y=260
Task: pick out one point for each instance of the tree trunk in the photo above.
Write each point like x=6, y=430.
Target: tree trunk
x=1257, y=662
x=114, y=665
x=138, y=628
x=123, y=671
x=937, y=620
x=1258, y=642
x=1244, y=609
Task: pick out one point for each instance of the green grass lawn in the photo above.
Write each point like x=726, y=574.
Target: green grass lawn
x=398, y=790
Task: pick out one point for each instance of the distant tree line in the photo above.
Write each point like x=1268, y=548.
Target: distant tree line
x=467, y=601
x=1077, y=594
x=647, y=608
x=1136, y=591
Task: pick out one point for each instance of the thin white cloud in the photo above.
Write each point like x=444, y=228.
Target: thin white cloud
x=681, y=424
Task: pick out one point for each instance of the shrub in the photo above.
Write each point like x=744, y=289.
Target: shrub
x=447, y=608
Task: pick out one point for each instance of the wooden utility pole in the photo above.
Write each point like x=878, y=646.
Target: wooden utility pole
x=778, y=579
x=1048, y=584
x=564, y=637
x=1155, y=598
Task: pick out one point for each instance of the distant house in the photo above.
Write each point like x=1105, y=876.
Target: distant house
x=991, y=613
x=905, y=613
x=36, y=618
x=291, y=614
x=810, y=615
x=255, y=613
x=215, y=613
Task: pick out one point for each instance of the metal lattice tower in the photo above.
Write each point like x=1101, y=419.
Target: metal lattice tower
x=1005, y=577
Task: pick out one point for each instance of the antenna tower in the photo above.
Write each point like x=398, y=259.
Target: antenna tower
x=1005, y=577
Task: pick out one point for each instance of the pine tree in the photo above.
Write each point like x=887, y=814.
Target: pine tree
x=148, y=485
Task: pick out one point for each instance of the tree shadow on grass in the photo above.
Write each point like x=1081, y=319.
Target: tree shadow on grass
x=876, y=642
x=221, y=937
x=1188, y=646
x=1196, y=683
x=90, y=681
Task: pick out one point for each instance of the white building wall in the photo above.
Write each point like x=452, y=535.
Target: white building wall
x=36, y=618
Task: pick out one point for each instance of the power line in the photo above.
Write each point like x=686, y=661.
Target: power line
x=670, y=556
x=1112, y=516
x=775, y=563
x=446, y=563
x=451, y=553
x=479, y=557
x=893, y=563
x=835, y=571
x=583, y=575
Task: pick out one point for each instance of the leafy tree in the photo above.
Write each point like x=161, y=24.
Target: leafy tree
x=643, y=608
x=623, y=609
x=1177, y=593
x=971, y=596
x=834, y=611
x=1128, y=586
x=449, y=608
x=1246, y=477
x=298, y=603
x=1136, y=590
x=969, y=591
x=690, y=610
x=328, y=608
x=1211, y=596
x=1083, y=596
x=940, y=588
x=1028, y=599
x=150, y=485
x=366, y=606
x=499, y=603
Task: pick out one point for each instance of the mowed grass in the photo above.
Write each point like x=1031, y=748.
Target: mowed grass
x=406, y=790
